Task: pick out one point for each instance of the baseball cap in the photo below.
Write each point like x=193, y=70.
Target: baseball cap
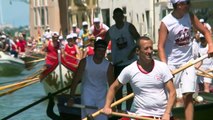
x=74, y=25
x=74, y=35
x=176, y=1
x=3, y=36
x=69, y=36
x=100, y=44
x=201, y=35
x=55, y=34
x=60, y=37
x=201, y=20
x=96, y=20
x=84, y=23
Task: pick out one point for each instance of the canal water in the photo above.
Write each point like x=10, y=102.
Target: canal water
x=12, y=102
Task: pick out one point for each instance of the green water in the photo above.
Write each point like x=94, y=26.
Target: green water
x=23, y=97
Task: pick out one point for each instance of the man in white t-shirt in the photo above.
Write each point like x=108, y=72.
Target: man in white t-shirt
x=150, y=80
x=175, y=49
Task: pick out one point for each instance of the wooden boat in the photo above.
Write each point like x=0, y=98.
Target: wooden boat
x=10, y=66
x=57, y=77
x=203, y=111
x=31, y=57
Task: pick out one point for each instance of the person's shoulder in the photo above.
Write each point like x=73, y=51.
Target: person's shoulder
x=160, y=63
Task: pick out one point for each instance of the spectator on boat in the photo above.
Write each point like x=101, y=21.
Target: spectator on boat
x=51, y=48
x=175, y=49
x=75, y=29
x=150, y=80
x=122, y=35
x=89, y=49
x=21, y=44
x=98, y=29
x=206, y=65
x=95, y=74
x=6, y=44
x=85, y=34
x=71, y=53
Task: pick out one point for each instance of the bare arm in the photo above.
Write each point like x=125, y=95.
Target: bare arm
x=110, y=95
x=107, y=37
x=110, y=74
x=171, y=100
x=134, y=32
x=163, y=32
x=78, y=76
x=196, y=23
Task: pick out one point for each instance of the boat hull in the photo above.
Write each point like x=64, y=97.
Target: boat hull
x=10, y=66
x=57, y=78
x=202, y=111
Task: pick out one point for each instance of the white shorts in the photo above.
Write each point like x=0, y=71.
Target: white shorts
x=184, y=81
x=204, y=79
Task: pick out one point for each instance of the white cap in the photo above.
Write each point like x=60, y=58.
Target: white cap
x=84, y=23
x=98, y=38
x=176, y=1
x=74, y=35
x=69, y=36
x=60, y=37
x=74, y=25
x=201, y=20
x=3, y=36
x=96, y=20
x=201, y=35
x=56, y=34
x=48, y=36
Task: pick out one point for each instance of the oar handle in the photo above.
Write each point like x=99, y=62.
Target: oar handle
x=189, y=64
x=35, y=61
x=113, y=104
x=208, y=74
x=130, y=116
x=81, y=106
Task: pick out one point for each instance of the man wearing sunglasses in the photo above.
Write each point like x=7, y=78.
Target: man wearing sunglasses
x=175, y=49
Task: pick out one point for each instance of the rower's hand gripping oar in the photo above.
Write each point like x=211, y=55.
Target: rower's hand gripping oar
x=131, y=95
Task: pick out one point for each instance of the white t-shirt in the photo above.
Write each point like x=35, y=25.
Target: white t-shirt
x=149, y=88
x=178, y=46
x=208, y=62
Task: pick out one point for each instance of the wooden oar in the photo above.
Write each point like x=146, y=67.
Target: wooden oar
x=113, y=104
x=208, y=74
x=18, y=87
x=33, y=61
x=131, y=116
x=204, y=75
x=189, y=64
x=131, y=95
x=17, y=84
x=33, y=56
x=34, y=103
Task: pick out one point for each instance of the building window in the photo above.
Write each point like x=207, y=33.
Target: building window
x=35, y=18
x=47, y=19
x=35, y=3
x=42, y=17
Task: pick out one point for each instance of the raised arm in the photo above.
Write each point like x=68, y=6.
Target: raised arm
x=163, y=32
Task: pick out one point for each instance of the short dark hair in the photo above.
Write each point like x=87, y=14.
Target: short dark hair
x=118, y=10
x=100, y=44
x=141, y=38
